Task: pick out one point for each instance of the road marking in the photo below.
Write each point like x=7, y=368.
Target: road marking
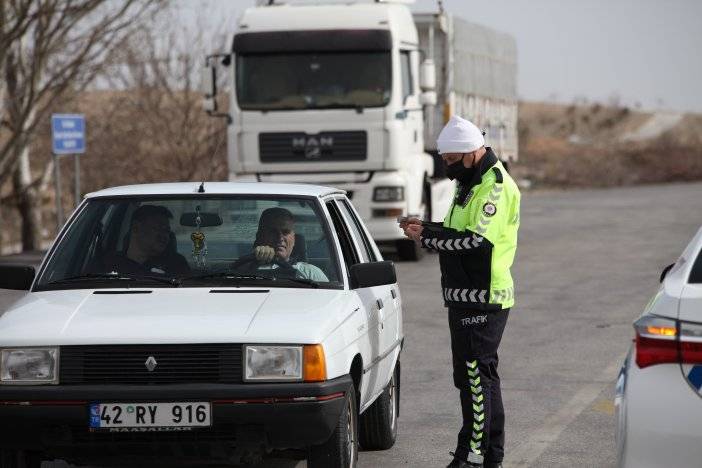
x=531, y=449
x=604, y=406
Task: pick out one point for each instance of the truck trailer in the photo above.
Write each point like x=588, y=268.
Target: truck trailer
x=353, y=94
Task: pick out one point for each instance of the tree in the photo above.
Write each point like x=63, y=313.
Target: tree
x=152, y=118
x=49, y=48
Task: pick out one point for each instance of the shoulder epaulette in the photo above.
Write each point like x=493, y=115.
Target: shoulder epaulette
x=498, y=174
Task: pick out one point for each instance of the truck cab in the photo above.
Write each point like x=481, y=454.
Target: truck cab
x=330, y=94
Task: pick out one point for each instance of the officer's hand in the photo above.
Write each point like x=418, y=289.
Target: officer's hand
x=264, y=253
x=414, y=231
x=409, y=221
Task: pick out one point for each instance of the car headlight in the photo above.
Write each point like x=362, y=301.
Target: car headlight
x=388, y=194
x=273, y=363
x=29, y=366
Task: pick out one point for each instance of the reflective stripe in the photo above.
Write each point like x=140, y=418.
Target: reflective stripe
x=465, y=295
x=476, y=390
x=493, y=197
x=461, y=243
x=502, y=295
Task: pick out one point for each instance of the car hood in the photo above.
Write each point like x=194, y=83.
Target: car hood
x=178, y=315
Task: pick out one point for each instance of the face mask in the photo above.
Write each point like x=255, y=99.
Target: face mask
x=460, y=172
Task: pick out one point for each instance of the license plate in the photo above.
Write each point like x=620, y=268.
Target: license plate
x=149, y=415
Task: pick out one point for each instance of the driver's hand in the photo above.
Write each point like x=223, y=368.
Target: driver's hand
x=264, y=253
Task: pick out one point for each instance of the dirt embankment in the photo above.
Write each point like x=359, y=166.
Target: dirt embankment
x=596, y=146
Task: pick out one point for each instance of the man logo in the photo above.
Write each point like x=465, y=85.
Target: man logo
x=312, y=149
x=151, y=364
x=312, y=146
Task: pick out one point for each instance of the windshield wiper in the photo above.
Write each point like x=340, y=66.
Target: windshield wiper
x=306, y=281
x=228, y=275
x=114, y=277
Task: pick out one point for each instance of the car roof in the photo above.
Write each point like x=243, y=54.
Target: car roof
x=218, y=188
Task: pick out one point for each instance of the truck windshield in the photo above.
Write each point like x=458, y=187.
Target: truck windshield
x=186, y=241
x=313, y=80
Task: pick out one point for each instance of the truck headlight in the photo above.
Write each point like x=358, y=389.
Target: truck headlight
x=273, y=363
x=29, y=366
x=388, y=194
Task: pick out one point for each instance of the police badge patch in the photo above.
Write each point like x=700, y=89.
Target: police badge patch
x=489, y=209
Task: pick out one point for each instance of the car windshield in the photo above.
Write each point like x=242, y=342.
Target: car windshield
x=313, y=80
x=189, y=241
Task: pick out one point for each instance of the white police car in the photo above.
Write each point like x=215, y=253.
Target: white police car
x=214, y=321
x=659, y=391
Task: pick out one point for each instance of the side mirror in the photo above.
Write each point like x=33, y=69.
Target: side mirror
x=665, y=271
x=17, y=277
x=427, y=75
x=209, y=88
x=428, y=98
x=366, y=275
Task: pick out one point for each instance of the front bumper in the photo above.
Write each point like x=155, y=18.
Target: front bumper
x=249, y=417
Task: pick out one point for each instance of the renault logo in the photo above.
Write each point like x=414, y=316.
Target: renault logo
x=151, y=364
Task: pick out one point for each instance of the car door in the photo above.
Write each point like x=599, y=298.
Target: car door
x=385, y=318
x=370, y=343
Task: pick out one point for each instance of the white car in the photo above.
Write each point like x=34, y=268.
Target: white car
x=659, y=391
x=205, y=322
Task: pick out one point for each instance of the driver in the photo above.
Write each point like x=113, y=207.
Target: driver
x=275, y=240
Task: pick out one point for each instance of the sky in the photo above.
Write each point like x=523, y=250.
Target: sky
x=635, y=52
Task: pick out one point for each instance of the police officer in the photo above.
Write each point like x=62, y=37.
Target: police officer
x=476, y=246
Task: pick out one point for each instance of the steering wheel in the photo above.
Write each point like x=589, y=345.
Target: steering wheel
x=250, y=261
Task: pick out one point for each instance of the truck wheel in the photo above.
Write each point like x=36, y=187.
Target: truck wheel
x=378, y=428
x=408, y=250
x=341, y=450
x=19, y=459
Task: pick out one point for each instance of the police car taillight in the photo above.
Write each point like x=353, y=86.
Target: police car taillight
x=662, y=340
x=690, y=343
x=656, y=341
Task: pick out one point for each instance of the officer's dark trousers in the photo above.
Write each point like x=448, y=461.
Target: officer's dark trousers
x=475, y=337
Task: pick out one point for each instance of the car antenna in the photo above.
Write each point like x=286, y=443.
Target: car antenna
x=202, y=187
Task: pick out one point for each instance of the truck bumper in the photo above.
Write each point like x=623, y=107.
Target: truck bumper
x=246, y=418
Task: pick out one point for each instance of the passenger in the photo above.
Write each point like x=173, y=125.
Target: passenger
x=275, y=239
x=148, y=249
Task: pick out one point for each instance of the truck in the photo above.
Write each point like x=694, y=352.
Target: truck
x=353, y=94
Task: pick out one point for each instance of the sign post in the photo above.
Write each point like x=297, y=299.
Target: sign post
x=67, y=137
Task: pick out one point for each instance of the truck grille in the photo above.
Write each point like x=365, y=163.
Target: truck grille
x=127, y=364
x=301, y=147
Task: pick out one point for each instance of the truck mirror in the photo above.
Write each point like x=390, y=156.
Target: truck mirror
x=209, y=104
x=428, y=98
x=209, y=81
x=209, y=88
x=427, y=75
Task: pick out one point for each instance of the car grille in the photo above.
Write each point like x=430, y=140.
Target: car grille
x=126, y=364
x=301, y=147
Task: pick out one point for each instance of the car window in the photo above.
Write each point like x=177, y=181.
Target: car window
x=183, y=236
x=696, y=273
x=406, y=74
x=348, y=250
x=361, y=239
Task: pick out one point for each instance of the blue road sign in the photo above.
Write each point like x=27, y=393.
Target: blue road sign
x=68, y=133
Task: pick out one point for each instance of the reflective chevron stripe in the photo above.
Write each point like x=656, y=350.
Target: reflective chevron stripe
x=476, y=390
x=472, y=241
x=465, y=295
x=500, y=296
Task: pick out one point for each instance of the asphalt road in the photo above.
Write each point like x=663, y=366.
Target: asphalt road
x=588, y=262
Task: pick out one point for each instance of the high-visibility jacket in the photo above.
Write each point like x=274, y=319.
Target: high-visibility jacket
x=478, y=240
